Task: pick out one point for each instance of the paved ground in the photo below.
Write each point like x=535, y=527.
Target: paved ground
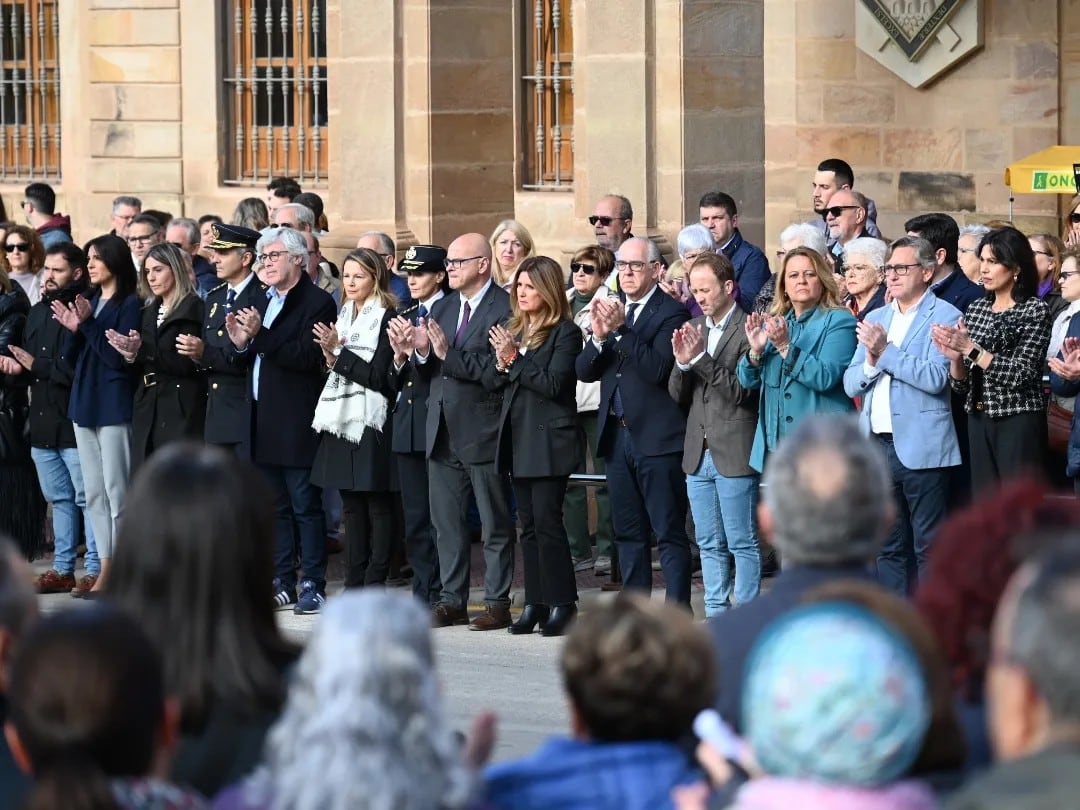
x=517, y=677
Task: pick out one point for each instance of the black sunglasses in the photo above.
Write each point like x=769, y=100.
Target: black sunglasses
x=22, y=247
x=837, y=210
x=578, y=267
x=1074, y=217
x=605, y=221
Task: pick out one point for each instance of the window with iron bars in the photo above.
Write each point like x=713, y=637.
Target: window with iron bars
x=275, y=86
x=29, y=90
x=548, y=95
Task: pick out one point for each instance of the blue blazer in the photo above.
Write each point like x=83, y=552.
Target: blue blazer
x=923, y=432
x=1067, y=388
x=639, y=364
x=103, y=390
x=810, y=380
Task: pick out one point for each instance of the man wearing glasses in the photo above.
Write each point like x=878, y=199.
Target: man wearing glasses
x=382, y=244
x=846, y=218
x=452, y=352
x=903, y=380
x=640, y=428
x=142, y=234
x=612, y=219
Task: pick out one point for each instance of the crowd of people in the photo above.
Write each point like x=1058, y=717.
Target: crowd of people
x=397, y=396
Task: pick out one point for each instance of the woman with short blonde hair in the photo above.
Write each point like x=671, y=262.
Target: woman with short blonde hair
x=511, y=242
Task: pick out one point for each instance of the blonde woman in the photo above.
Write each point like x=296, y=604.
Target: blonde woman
x=798, y=352
x=1070, y=233
x=511, y=242
x=170, y=389
x=351, y=416
x=539, y=442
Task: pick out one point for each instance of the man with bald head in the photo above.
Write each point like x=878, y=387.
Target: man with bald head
x=612, y=220
x=383, y=245
x=827, y=506
x=453, y=352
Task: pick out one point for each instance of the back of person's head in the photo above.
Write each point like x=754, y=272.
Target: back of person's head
x=827, y=493
x=364, y=725
x=87, y=705
x=975, y=552
x=834, y=694
x=637, y=670
x=940, y=230
x=195, y=516
x=42, y=196
x=1034, y=692
x=944, y=748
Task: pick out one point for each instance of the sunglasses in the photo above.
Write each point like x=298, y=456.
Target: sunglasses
x=578, y=267
x=22, y=247
x=837, y=210
x=1074, y=217
x=605, y=221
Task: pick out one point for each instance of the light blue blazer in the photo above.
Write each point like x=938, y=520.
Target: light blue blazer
x=923, y=431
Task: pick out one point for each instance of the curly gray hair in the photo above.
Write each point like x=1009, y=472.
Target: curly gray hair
x=363, y=725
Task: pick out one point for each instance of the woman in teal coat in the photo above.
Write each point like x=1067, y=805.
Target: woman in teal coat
x=798, y=352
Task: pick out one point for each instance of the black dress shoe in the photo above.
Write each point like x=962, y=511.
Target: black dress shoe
x=531, y=616
x=560, y=618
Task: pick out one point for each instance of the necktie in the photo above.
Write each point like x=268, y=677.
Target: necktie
x=463, y=326
x=616, y=398
x=421, y=312
x=230, y=299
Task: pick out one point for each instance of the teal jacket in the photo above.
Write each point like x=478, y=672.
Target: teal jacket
x=810, y=380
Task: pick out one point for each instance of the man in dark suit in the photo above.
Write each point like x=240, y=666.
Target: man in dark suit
x=640, y=428
x=287, y=377
x=228, y=406
x=826, y=506
x=426, y=269
x=720, y=483
x=453, y=351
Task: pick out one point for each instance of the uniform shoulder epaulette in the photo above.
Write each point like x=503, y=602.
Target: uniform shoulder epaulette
x=409, y=310
x=218, y=287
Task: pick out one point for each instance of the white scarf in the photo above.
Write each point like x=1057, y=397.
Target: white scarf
x=1060, y=328
x=346, y=408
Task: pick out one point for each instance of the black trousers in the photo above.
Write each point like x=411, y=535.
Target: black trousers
x=1005, y=447
x=545, y=549
x=420, y=548
x=369, y=527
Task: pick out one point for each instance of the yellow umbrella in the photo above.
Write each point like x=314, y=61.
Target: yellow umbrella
x=1055, y=170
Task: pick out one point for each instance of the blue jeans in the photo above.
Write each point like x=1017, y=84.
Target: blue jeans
x=298, y=516
x=725, y=518
x=61, y=479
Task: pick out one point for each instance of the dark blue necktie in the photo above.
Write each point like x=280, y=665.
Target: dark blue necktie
x=230, y=299
x=421, y=313
x=616, y=399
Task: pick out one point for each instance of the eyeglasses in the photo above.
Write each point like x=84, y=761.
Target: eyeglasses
x=633, y=267
x=1045, y=253
x=457, y=264
x=899, y=269
x=140, y=240
x=578, y=267
x=837, y=210
x=1068, y=275
x=605, y=221
x=272, y=256
x=852, y=269
x=690, y=258
x=22, y=247
x=1074, y=217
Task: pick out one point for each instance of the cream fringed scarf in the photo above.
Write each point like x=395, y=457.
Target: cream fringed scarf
x=346, y=408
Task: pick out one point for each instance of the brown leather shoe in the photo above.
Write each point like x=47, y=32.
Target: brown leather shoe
x=84, y=585
x=52, y=581
x=493, y=618
x=444, y=615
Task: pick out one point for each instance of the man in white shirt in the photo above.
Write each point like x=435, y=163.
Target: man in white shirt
x=902, y=380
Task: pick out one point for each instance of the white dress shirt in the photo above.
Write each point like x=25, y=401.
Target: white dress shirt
x=880, y=401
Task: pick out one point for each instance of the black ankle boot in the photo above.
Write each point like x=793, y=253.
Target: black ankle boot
x=560, y=618
x=531, y=616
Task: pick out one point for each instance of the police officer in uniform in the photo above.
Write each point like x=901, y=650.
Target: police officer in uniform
x=426, y=270
x=228, y=410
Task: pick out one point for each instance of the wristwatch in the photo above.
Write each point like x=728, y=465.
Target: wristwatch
x=975, y=353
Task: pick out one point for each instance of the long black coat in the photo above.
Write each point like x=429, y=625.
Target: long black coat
x=459, y=402
x=291, y=377
x=364, y=466
x=411, y=399
x=228, y=403
x=170, y=390
x=538, y=430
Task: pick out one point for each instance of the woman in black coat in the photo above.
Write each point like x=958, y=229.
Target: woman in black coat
x=540, y=443
x=170, y=390
x=352, y=416
x=22, y=514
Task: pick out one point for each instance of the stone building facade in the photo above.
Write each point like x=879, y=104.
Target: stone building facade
x=425, y=134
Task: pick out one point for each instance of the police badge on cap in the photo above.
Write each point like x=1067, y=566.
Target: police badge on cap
x=424, y=259
x=228, y=237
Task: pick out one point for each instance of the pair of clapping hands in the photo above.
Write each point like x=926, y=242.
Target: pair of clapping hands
x=1068, y=367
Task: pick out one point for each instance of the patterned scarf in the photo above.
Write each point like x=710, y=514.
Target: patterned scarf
x=346, y=408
